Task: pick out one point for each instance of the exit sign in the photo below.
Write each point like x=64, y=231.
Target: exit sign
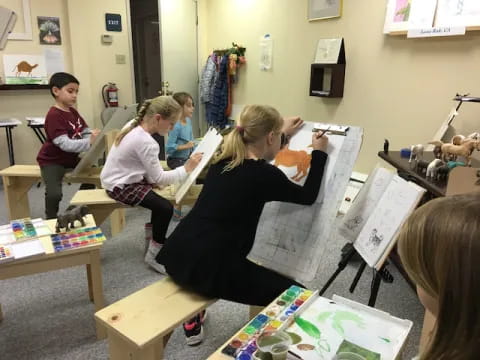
x=113, y=22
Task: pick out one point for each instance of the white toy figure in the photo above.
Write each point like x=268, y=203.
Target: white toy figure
x=416, y=152
x=432, y=168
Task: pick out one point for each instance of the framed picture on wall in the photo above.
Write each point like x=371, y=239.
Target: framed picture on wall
x=324, y=9
x=458, y=13
x=402, y=15
x=49, y=30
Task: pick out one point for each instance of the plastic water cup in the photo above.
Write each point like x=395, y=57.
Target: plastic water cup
x=279, y=351
x=348, y=356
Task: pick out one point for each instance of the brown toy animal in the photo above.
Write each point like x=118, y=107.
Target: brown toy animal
x=67, y=219
x=24, y=66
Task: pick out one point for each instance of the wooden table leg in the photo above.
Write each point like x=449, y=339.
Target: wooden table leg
x=16, y=195
x=121, y=349
x=102, y=212
x=89, y=280
x=117, y=221
x=96, y=288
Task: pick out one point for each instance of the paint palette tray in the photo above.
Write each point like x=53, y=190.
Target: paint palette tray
x=77, y=238
x=6, y=254
x=23, y=230
x=277, y=316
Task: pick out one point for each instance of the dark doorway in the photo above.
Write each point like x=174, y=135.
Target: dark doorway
x=146, y=48
x=146, y=54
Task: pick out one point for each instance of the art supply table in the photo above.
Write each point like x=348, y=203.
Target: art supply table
x=88, y=255
x=317, y=328
x=37, y=125
x=18, y=179
x=9, y=124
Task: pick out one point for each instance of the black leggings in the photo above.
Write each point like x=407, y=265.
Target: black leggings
x=243, y=282
x=162, y=212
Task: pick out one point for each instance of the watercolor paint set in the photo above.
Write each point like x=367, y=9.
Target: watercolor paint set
x=276, y=317
x=6, y=254
x=23, y=230
x=76, y=238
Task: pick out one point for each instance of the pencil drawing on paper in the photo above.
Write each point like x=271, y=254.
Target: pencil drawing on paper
x=354, y=223
x=375, y=239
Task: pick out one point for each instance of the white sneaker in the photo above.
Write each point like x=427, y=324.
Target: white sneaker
x=152, y=252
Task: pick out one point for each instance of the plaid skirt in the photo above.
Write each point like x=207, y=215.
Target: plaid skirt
x=131, y=194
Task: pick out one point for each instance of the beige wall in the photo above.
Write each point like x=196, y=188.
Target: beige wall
x=82, y=23
x=395, y=88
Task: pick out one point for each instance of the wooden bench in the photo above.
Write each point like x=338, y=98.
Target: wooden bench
x=101, y=205
x=139, y=325
x=18, y=179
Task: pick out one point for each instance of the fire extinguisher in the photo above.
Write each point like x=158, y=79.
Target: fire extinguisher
x=110, y=95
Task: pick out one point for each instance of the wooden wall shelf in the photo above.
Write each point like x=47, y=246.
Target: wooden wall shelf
x=404, y=32
x=23, y=87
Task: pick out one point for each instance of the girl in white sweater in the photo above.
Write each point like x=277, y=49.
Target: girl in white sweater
x=132, y=168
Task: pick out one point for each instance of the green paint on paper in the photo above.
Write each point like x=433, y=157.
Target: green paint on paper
x=341, y=316
x=385, y=339
x=308, y=327
x=323, y=316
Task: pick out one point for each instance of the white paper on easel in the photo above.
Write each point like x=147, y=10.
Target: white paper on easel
x=380, y=230
x=290, y=237
x=209, y=144
x=365, y=203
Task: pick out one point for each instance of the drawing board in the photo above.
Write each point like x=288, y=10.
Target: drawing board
x=116, y=122
x=209, y=144
x=290, y=237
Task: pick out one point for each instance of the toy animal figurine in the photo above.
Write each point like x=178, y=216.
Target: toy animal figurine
x=386, y=144
x=421, y=166
x=442, y=172
x=67, y=219
x=437, y=152
x=416, y=152
x=458, y=139
x=450, y=151
x=432, y=168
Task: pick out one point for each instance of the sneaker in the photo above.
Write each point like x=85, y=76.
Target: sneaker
x=152, y=252
x=194, y=330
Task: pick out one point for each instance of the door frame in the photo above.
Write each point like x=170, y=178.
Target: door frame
x=130, y=49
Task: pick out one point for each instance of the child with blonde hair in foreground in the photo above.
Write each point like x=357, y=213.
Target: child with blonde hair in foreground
x=440, y=249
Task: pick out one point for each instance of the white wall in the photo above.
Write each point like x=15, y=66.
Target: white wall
x=395, y=88
x=82, y=23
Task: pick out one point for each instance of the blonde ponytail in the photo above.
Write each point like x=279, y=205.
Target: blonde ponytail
x=163, y=105
x=255, y=122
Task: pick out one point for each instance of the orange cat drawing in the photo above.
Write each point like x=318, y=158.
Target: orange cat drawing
x=300, y=159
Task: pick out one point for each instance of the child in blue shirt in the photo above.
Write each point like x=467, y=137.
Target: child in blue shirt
x=180, y=143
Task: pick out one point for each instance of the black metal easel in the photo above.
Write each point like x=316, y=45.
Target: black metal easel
x=348, y=252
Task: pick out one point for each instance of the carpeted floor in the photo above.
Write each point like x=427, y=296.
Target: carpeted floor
x=49, y=316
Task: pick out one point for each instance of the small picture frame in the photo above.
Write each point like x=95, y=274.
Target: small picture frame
x=324, y=9
x=403, y=15
x=458, y=13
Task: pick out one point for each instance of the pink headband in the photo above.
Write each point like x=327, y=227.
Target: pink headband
x=240, y=129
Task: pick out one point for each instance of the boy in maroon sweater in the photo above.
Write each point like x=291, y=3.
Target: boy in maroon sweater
x=67, y=135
